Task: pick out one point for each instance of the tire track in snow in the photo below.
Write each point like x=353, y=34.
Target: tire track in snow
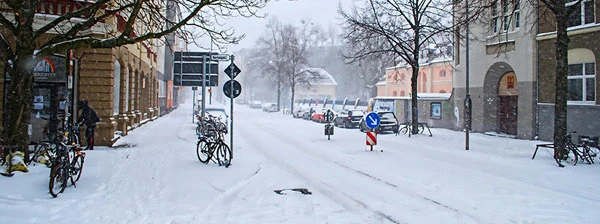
x=300, y=145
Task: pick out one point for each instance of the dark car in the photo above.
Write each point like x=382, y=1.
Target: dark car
x=348, y=118
x=388, y=123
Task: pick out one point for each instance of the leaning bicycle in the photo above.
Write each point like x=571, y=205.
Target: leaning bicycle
x=67, y=165
x=211, y=146
x=574, y=152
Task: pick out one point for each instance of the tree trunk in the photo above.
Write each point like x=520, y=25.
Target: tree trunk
x=413, y=100
x=19, y=100
x=562, y=70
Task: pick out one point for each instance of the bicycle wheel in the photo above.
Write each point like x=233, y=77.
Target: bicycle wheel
x=58, y=180
x=76, y=168
x=586, y=154
x=202, y=150
x=420, y=129
x=403, y=130
x=224, y=155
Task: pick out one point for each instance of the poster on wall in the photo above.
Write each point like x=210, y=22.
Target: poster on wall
x=436, y=110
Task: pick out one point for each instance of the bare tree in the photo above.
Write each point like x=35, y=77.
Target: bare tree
x=370, y=60
x=23, y=43
x=406, y=26
x=561, y=9
x=285, y=50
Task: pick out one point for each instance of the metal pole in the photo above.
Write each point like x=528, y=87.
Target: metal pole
x=193, y=104
x=203, y=84
x=468, y=103
x=231, y=107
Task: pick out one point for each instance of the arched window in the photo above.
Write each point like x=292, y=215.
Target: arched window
x=116, y=87
x=395, y=93
x=402, y=93
x=402, y=77
x=443, y=73
x=442, y=91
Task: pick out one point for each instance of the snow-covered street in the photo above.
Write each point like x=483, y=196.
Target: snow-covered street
x=154, y=176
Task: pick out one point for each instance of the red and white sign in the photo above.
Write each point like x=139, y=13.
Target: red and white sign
x=371, y=138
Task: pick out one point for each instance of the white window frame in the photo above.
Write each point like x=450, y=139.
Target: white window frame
x=582, y=11
x=583, y=77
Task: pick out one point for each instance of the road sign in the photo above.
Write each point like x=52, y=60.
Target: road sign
x=219, y=57
x=188, y=68
x=232, y=71
x=371, y=138
x=237, y=89
x=372, y=120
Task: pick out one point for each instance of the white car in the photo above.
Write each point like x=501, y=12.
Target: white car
x=270, y=107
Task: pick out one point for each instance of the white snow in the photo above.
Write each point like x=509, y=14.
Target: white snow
x=155, y=177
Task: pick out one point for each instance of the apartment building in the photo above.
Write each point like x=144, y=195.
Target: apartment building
x=502, y=71
x=583, y=102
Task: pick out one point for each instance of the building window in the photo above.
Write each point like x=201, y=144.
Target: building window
x=517, y=13
x=443, y=74
x=582, y=13
x=495, y=17
x=402, y=93
x=582, y=83
x=117, y=88
x=395, y=93
x=442, y=91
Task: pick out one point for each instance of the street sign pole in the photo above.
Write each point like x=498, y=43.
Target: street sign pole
x=231, y=108
x=203, y=84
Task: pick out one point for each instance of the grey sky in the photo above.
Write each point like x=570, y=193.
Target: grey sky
x=323, y=12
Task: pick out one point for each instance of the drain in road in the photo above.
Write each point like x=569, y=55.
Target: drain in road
x=304, y=191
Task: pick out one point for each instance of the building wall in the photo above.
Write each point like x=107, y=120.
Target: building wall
x=491, y=56
x=580, y=117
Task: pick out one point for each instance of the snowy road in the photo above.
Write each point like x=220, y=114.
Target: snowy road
x=155, y=177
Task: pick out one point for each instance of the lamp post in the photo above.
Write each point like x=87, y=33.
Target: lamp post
x=468, y=103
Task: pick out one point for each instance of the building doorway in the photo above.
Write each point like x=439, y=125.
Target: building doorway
x=508, y=107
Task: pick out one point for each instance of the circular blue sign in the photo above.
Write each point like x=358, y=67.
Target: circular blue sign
x=372, y=120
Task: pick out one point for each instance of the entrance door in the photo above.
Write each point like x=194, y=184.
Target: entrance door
x=48, y=109
x=508, y=114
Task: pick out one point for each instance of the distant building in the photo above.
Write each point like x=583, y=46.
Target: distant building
x=322, y=86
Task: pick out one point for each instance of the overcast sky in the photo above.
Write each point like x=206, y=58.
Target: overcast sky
x=323, y=12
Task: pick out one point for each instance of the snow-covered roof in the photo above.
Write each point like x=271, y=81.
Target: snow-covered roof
x=321, y=77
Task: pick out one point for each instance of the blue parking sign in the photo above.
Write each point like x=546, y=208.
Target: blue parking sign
x=372, y=120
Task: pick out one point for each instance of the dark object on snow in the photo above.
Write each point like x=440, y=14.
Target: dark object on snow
x=301, y=190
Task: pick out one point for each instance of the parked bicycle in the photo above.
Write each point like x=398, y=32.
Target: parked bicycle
x=211, y=144
x=67, y=165
x=574, y=152
x=407, y=127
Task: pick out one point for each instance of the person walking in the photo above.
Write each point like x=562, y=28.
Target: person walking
x=89, y=117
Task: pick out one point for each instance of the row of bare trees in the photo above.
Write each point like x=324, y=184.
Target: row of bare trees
x=282, y=54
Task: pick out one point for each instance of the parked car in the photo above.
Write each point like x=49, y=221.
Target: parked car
x=308, y=113
x=270, y=107
x=255, y=104
x=348, y=118
x=319, y=115
x=299, y=111
x=218, y=112
x=388, y=122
